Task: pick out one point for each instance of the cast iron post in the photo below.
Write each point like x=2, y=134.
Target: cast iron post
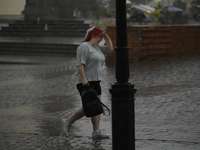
x=123, y=117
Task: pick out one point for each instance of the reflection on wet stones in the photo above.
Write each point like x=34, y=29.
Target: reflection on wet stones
x=166, y=107
x=57, y=103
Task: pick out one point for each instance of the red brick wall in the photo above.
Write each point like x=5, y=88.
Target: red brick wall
x=150, y=41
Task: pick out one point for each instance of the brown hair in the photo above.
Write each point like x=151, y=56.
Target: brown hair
x=95, y=32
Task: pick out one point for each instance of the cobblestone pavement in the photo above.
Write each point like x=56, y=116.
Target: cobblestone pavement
x=37, y=92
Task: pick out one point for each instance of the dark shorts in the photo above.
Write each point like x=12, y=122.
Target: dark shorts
x=94, y=84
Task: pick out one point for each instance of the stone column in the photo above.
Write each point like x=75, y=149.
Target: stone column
x=48, y=10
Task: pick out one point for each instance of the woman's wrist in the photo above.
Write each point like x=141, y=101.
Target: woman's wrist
x=84, y=82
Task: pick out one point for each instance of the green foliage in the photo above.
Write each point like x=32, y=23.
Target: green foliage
x=156, y=13
x=99, y=13
x=164, y=16
x=162, y=13
x=178, y=18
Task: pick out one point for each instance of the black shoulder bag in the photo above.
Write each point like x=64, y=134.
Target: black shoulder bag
x=92, y=105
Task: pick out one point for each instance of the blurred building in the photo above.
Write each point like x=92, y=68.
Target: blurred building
x=11, y=9
x=140, y=13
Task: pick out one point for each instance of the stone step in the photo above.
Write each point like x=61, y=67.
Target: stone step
x=41, y=33
x=66, y=28
x=51, y=25
x=37, y=48
x=62, y=22
x=36, y=53
x=36, y=26
x=42, y=28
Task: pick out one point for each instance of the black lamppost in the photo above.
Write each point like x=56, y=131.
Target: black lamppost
x=123, y=117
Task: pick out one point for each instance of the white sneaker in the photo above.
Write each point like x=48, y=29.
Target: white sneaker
x=66, y=127
x=99, y=135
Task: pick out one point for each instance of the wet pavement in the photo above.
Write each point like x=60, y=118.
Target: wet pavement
x=37, y=92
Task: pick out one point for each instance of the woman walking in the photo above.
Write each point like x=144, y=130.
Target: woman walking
x=90, y=59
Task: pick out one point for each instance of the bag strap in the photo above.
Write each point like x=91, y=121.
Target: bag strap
x=103, y=105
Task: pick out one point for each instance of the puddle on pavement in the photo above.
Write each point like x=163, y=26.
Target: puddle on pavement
x=57, y=103
x=54, y=108
x=30, y=119
x=19, y=119
x=17, y=81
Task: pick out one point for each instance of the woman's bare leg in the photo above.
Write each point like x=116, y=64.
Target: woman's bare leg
x=96, y=120
x=77, y=115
